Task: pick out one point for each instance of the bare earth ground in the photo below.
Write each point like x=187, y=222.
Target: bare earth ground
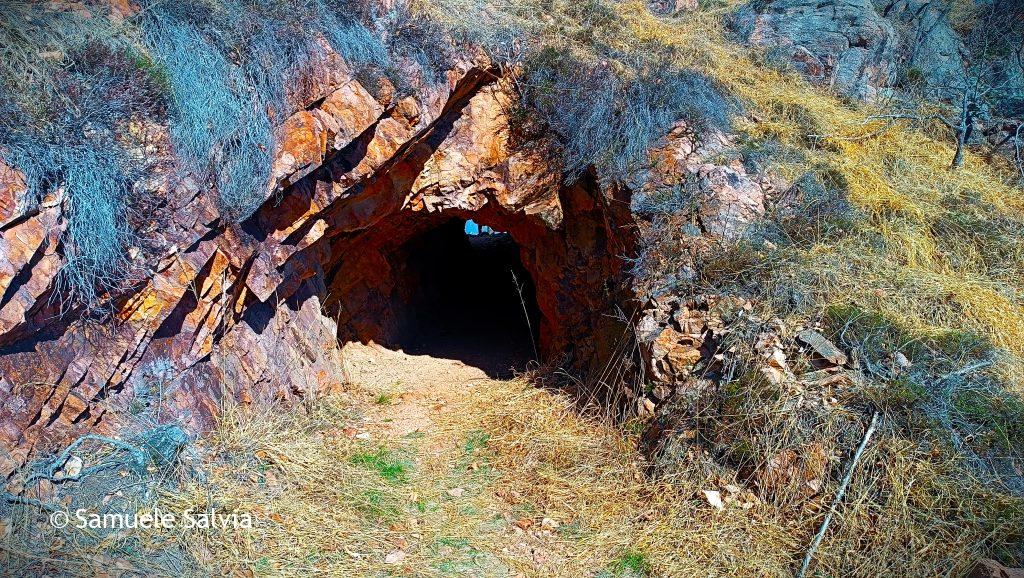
x=414, y=387
x=414, y=393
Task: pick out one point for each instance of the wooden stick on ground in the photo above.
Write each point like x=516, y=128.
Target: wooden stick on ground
x=839, y=496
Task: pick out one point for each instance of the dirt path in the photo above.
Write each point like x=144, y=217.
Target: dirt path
x=409, y=388
x=413, y=397
x=425, y=466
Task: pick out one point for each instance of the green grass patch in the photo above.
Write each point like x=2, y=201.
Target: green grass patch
x=999, y=416
x=476, y=440
x=382, y=461
x=631, y=564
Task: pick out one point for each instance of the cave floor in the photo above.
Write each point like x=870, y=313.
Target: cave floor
x=409, y=388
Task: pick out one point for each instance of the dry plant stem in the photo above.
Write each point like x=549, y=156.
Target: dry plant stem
x=526, y=315
x=51, y=470
x=11, y=498
x=1018, y=155
x=839, y=496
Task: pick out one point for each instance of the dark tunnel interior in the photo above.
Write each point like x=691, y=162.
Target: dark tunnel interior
x=467, y=296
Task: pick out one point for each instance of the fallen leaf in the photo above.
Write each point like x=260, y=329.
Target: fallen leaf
x=456, y=492
x=396, y=557
x=714, y=498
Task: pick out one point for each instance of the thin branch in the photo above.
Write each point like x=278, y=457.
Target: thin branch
x=526, y=314
x=839, y=496
x=50, y=471
x=1017, y=148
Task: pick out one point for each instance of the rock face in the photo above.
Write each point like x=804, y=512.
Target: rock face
x=931, y=51
x=257, y=311
x=843, y=44
x=992, y=569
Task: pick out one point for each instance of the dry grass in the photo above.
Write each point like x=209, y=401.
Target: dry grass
x=939, y=249
x=474, y=494
x=928, y=241
x=522, y=455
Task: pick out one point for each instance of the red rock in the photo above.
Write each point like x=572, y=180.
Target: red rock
x=991, y=569
x=12, y=194
x=256, y=311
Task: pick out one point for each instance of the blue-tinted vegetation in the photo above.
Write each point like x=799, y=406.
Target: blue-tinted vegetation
x=220, y=74
x=610, y=120
x=230, y=66
x=606, y=101
x=63, y=131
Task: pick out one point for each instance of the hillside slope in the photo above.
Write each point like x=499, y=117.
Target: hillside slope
x=742, y=236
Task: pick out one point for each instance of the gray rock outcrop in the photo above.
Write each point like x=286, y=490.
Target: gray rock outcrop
x=844, y=44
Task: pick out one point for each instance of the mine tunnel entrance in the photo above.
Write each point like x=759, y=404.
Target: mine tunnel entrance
x=550, y=283
x=464, y=294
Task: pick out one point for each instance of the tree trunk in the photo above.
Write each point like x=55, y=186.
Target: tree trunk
x=958, y=158
x=962, y=131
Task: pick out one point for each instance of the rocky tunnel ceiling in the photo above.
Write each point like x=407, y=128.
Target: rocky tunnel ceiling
x=573, y=240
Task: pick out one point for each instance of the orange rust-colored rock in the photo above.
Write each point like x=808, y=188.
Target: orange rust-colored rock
x=991, y=569
x=256, y=310
x=12, y=194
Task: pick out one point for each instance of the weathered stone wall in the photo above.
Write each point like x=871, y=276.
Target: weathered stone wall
x=252, y=311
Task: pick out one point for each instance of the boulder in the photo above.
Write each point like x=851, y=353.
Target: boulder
x=986, y=568
x=843, y=44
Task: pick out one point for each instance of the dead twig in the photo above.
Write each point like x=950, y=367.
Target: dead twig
x=49, y=472
x=526, y=314
x=839, y=496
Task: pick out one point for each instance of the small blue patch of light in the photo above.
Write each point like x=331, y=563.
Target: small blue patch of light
x=473, y=229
